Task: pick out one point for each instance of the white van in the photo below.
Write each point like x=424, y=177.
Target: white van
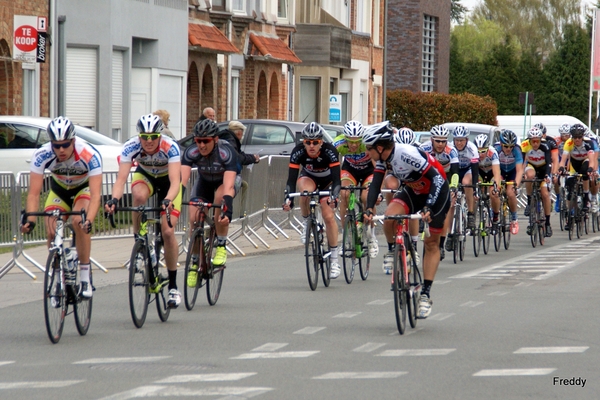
x=520, y=124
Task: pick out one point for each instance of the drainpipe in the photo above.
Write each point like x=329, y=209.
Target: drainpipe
x=228, y=83
x=385, y=45
x=53, y=55
x=62, y=66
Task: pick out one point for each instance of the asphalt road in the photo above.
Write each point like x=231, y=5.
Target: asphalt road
x=509, y=325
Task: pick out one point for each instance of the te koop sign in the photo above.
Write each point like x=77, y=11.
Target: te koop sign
x=29, y=38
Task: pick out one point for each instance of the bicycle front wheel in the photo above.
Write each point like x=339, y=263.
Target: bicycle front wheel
x=311, y=253
x=399, y=289
x=190, y=293
x=477, y=234
x=486, y=224
x=139, y=282
x=349, y=248
x=83, y=309
x=55, y=299
x=414, y=287
x=324, y=263
x=215, y=275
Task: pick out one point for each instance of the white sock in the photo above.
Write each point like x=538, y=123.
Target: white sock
x=84, y=272
x=334, y=253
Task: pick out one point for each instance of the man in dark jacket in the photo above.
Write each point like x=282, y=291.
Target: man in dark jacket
x=234, y=136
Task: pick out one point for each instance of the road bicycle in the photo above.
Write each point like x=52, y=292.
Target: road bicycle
x=61, y=282
x=457, y=235
x=146, y=283
x=563, y=204
x=503, y=232
x=201, y=251
x=536, y=228
x=314, y=248
x=406, y=280
x=483, y=220
x=354, y=237
x=577, y=219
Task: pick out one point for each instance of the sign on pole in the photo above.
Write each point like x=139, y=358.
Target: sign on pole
x=335, y=108
x=29, y=38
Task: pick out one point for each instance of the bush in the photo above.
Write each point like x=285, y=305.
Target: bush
x=421, y=111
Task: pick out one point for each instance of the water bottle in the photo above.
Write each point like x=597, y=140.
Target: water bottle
x=152, y=255
x=71, y=272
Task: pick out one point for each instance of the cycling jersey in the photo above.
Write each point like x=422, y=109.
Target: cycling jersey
x=212, y=167
x=86, y=161
x=154, y=165
x=467, y=156
x=446, y=157
x=491, y=159
x=508, y=162
x=323, y=169
x=359, y=159
x=578, y=153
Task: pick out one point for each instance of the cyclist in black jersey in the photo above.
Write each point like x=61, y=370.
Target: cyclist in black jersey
x=320, y=169
x=218, y=181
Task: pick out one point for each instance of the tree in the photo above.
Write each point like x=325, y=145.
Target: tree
x=476, y=37
x=457, y=11
x=537, y=24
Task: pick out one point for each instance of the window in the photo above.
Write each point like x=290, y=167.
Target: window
x=360, y=16
x=428, y=54
x=15, y=136
x=238, y=5
x=271, y=135
x=282, y=8
x=235, y=93
x=218, y=5
x=28, y=91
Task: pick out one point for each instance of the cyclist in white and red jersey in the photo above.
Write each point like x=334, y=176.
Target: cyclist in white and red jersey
x=158, y=171
x=424, y=189
x=76, y=184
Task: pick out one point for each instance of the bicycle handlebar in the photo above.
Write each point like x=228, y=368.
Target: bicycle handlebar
x=309, y=194
x=397, y=217
x=140, y=209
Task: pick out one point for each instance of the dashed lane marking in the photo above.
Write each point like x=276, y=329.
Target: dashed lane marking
x=309, y=330
x=551, y=350
x=379, y=302
x=368, y=347
x=206, y=377
x=416, y=352
x=472, y=303
x=281, y=354
x=361, y=375
x=270, y=347
x=347, y=314
x=6, y=363
x=114, y=360
x=440, y=316
x=38, y=384
x=498, y=294
x=175, y=391
x=515, y=372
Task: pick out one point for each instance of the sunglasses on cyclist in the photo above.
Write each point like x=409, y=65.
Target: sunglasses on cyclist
x=482, y=151
x=149, y=136
x=62, y=145
x=439, y=141
x=203, y=140
x=508, y=146
x=353, y=141
x=315, y=142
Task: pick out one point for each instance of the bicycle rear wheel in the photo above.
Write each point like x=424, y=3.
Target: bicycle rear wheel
x=349, y=248
x=486, y=223
x=477, y=234
x=364, y=262
x=399, y=289
x=82, y=308
x=190, y=294
x=215, y=277
x=324, y=263
x=311, y=253
x=414, y=288
x=161, y=301
x=139, y=282
x=55, y=299
x=498, y=231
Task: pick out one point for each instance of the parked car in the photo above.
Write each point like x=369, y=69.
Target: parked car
x=29, y=133
x=267, y=136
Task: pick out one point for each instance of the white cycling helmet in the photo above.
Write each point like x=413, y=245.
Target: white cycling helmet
x=482, y=141
x=461, y=132
x=60, y=129
x=353, y=130
x=380, y=132
x=439, y=132
x=150, y=124
x=405, y=136
x=564, y=129
x=312, y=131
x=534, y=133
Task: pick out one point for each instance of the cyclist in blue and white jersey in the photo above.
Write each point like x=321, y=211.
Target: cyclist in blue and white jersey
x=447, y=156
x=468, y=173
x=489, y=170
x=592, y=139
x=76, y=171
x=158, y=171
x=511, y=169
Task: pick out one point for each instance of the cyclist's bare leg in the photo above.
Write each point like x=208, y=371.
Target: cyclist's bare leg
x=222, y=227
x=170, y=242
x=512, y=197
x=467, y=180
x=389, y=226
x=83, y=240
x=305, y=183
x=546, y=200
x=529, y=175
x=330, y=223
x=344, y=195
x=390, y=182
x=140, y=194
x=431, y=260
x=495, y=199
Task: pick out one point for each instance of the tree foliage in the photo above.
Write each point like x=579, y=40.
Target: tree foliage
x=457, y=11
x=476, y=37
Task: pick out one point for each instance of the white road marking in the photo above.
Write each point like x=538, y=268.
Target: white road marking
x=38, y=384
x=206, y=377
x=497, y=293
x=440, y=316
x=378, y=302
x=525, y=284
x=6, y=363
x=175, y=391
x=551, y=350
x=416, y=352
x=282, y=354
x=361, y=375
x=471, y=303
x=115, y=360
x=309, y=330
x=347, y=314
x=368, y=347
x=515, y=372
x=442, y=282
x=270, y=347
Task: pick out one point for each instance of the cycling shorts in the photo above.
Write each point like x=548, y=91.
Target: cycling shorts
x=205, y=190
x=63, y=199
x=159, y=186
x=414, y=203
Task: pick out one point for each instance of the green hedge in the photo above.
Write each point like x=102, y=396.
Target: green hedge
x=421, y=111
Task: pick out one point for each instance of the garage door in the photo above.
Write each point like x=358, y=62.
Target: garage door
x=82, y=92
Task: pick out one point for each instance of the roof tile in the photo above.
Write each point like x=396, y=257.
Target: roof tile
x=209, y=37
x=273, y=47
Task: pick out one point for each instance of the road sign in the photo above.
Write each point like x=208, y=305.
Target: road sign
x=335, y=108
x=29, y=38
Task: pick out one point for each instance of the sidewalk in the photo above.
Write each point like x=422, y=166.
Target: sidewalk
x=112, y=254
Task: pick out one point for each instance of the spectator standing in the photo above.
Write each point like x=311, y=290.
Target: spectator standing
x=165, y=116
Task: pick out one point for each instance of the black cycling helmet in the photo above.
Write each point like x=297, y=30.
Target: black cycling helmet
x=205, y=128
x=577, y=130
x=312, y=131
